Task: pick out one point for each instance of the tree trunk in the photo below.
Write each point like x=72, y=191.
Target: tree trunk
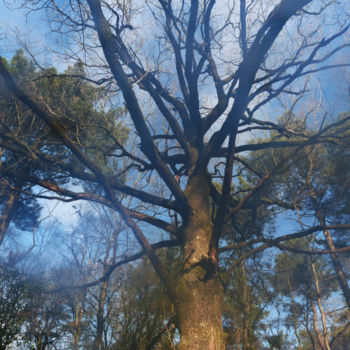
x=334, y=257
x=199, y=290
x=76, y=330
x=311, y=336
x=98, y=344
x=199, y=314
x=76, y=340
x=317, y=330
x=246, y=305
x=7, y=212
x=295, y=318
x=338, y=268
x=320, y=307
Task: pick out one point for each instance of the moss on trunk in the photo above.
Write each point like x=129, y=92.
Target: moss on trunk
x=200, y=293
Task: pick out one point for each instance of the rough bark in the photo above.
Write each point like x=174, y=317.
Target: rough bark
x=199, y=313
x=200, y=292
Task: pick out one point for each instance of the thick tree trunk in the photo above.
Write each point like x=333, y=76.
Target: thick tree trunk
x=199, y=290
x=200, y=315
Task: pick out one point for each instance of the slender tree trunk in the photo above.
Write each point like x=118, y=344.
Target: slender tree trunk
x=99, y=345
x=78, y=315
x=295, y=318
x=336, y=264
x=334, y=257
x=245, y=340
x=317, y=330
x=7, y=212
x=76, y=340
x=320, y=307
x=338, y=268
x=238, y=335
x=199, y=291
x=314, y=346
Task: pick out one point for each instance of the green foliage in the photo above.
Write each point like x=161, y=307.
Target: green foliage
x=31, y=148
x=340, y=331
x=13, y=306
x=278, y=341
x=145, y=311
x=243, y=310
x=293, y=273
x=43, y=320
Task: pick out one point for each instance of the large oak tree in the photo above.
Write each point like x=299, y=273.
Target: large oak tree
x=193, y=77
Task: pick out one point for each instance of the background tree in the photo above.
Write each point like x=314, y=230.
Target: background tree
x=22, y=210
x=44, y=320
x=13, y=306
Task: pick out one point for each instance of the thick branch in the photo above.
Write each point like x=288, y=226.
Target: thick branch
x=249, y=66
x=110, y=50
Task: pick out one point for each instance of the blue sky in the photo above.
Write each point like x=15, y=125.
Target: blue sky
x=15, y=25
x=20, y=28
